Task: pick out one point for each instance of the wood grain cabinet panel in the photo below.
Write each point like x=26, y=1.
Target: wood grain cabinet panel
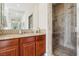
x=40, y=45
x=9, y=51
x=27, y=46
x=27, y=39
x=28, y=49
x=9, y=47
x=9, y=42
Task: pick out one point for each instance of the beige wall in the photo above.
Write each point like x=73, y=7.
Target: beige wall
x=42, y=15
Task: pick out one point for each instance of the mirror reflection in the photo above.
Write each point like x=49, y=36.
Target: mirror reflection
x=17, y=15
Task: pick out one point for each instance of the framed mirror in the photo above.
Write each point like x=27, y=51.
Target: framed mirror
x=18, y=15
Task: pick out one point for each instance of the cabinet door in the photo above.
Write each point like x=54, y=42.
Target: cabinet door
x=40, y=45
x=28, y=49
x=40, y=48
x=9, y=51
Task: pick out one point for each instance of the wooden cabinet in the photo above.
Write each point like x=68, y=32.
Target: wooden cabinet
x=9, y=51
x=9, y=47
x=40, y=45
x=27, y=46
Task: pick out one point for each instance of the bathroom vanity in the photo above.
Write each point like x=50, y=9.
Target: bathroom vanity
x=16, y=39
x=22, y=44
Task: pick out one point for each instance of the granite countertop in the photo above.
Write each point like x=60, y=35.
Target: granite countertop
x=11, y=36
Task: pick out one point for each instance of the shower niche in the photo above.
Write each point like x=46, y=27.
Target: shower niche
x=64, y=24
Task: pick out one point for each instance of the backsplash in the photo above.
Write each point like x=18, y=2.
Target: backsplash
x=14, y=31
x=2, y=32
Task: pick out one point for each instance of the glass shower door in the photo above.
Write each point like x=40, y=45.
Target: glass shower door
x=64, y=24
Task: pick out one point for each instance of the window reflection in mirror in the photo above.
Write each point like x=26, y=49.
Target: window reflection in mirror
x=30, y=21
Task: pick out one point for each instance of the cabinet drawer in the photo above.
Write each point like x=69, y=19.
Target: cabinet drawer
x=27, y=39
x=9, y=42
x=40, y=37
